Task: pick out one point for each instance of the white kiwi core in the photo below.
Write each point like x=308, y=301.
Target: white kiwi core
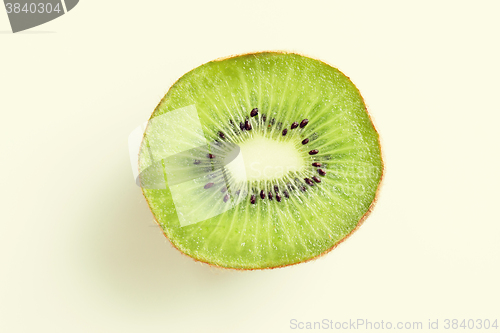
x=267, y=159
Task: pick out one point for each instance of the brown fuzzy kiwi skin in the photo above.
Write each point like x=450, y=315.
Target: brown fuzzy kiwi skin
x=360, y=222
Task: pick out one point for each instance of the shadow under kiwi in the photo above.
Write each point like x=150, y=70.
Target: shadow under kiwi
x=125, y=259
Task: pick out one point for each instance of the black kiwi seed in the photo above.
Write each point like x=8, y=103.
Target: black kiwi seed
x=284, y=132
x=254, y=112
x=272, y=121
x=242, y=126
x=303, y=188
x=313, y=152
x=248, y=126
x=316, y=164
x=276, y=189
x=270, y=195
x=252, y=199
x=303, y=123
x=278, y=198
x=308, y=181
x=221, y=135
x=226, y=197
x=209, y=185
x=264, y=118
x=294, y=125
x=224, y=189
x=262, y=194
x=210, y=155
x=197, y=162
x=316, y=179
x=290, y=186
x=322, y=172
x=286, y=194
x=305, y=141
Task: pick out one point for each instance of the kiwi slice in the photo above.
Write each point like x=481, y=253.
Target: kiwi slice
x=260, y=160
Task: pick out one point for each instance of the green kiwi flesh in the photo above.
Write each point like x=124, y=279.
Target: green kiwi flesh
x=308, y=145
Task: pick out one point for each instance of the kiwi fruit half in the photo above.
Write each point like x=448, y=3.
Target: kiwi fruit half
x=260, y=160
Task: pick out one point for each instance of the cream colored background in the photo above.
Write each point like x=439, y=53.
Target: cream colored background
x=79, y=249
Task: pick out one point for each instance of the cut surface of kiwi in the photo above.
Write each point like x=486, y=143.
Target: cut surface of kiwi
x=260, y=160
